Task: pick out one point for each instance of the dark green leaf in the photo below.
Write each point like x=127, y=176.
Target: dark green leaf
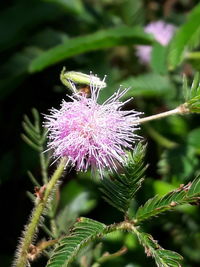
x=100, y=40
x=182, y=195
x=84, y=231
x=192, y=94
x=162, y=257
x=120, y=189
x=34, y=135
x=187, y=37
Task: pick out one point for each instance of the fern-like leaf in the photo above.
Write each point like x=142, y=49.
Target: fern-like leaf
x=162, y=257
x=84, y=231
x=34, y=135
x=192, y=95
x=120, y=190
x=187, y=37
x=189, y=193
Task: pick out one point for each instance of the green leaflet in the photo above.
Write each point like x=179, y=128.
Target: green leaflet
x=192, y=94
x=188, y=36
x=162, y=257
x=34, y=135
x=182, y=195
x=122, y=35
x=120, y=190
x=84, y=231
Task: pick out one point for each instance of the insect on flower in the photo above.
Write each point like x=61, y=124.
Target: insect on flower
x=90, y=134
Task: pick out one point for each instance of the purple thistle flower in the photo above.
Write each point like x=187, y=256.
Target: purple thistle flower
x=162, y=32
x=90, y=134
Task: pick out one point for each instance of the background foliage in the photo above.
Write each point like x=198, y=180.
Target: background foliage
x=38, y=37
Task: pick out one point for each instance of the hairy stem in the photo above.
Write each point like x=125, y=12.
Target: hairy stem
x=38, y=210
x=44, y=173
x=182, y=109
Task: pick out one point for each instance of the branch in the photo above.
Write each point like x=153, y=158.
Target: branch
x=40, y=205
x=182, y=109
x=185, y=194
x=162, y=257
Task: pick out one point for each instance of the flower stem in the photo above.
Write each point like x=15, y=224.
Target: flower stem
x=44, y=173
x=182, y=109
x=31, y=228
x=193, y=55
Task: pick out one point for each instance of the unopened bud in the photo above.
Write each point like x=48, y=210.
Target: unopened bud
x=72, y=77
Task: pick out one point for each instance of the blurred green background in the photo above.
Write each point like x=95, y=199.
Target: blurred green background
x=38, y=38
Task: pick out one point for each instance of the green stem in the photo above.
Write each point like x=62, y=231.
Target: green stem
x=193, y=55
x=182, y=109
x=107, y=256
x=44, y=173
x=31, y=228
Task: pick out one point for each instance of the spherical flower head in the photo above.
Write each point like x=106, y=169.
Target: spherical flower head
x=162, y=33
x=90, y=134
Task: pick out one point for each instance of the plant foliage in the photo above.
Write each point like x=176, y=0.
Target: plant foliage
x=83, y=232
x=163, y=257
x=148, y=85
x=35, y=136
x=120, y=189
x=192, y=95
x=189, y=193
x=187, y=37
x=37, y=39
x=98, y=40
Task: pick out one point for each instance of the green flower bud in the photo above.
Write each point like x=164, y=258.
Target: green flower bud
x=78, y=78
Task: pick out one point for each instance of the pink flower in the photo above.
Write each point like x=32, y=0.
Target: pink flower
x=90, y=134
x=162, y=32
